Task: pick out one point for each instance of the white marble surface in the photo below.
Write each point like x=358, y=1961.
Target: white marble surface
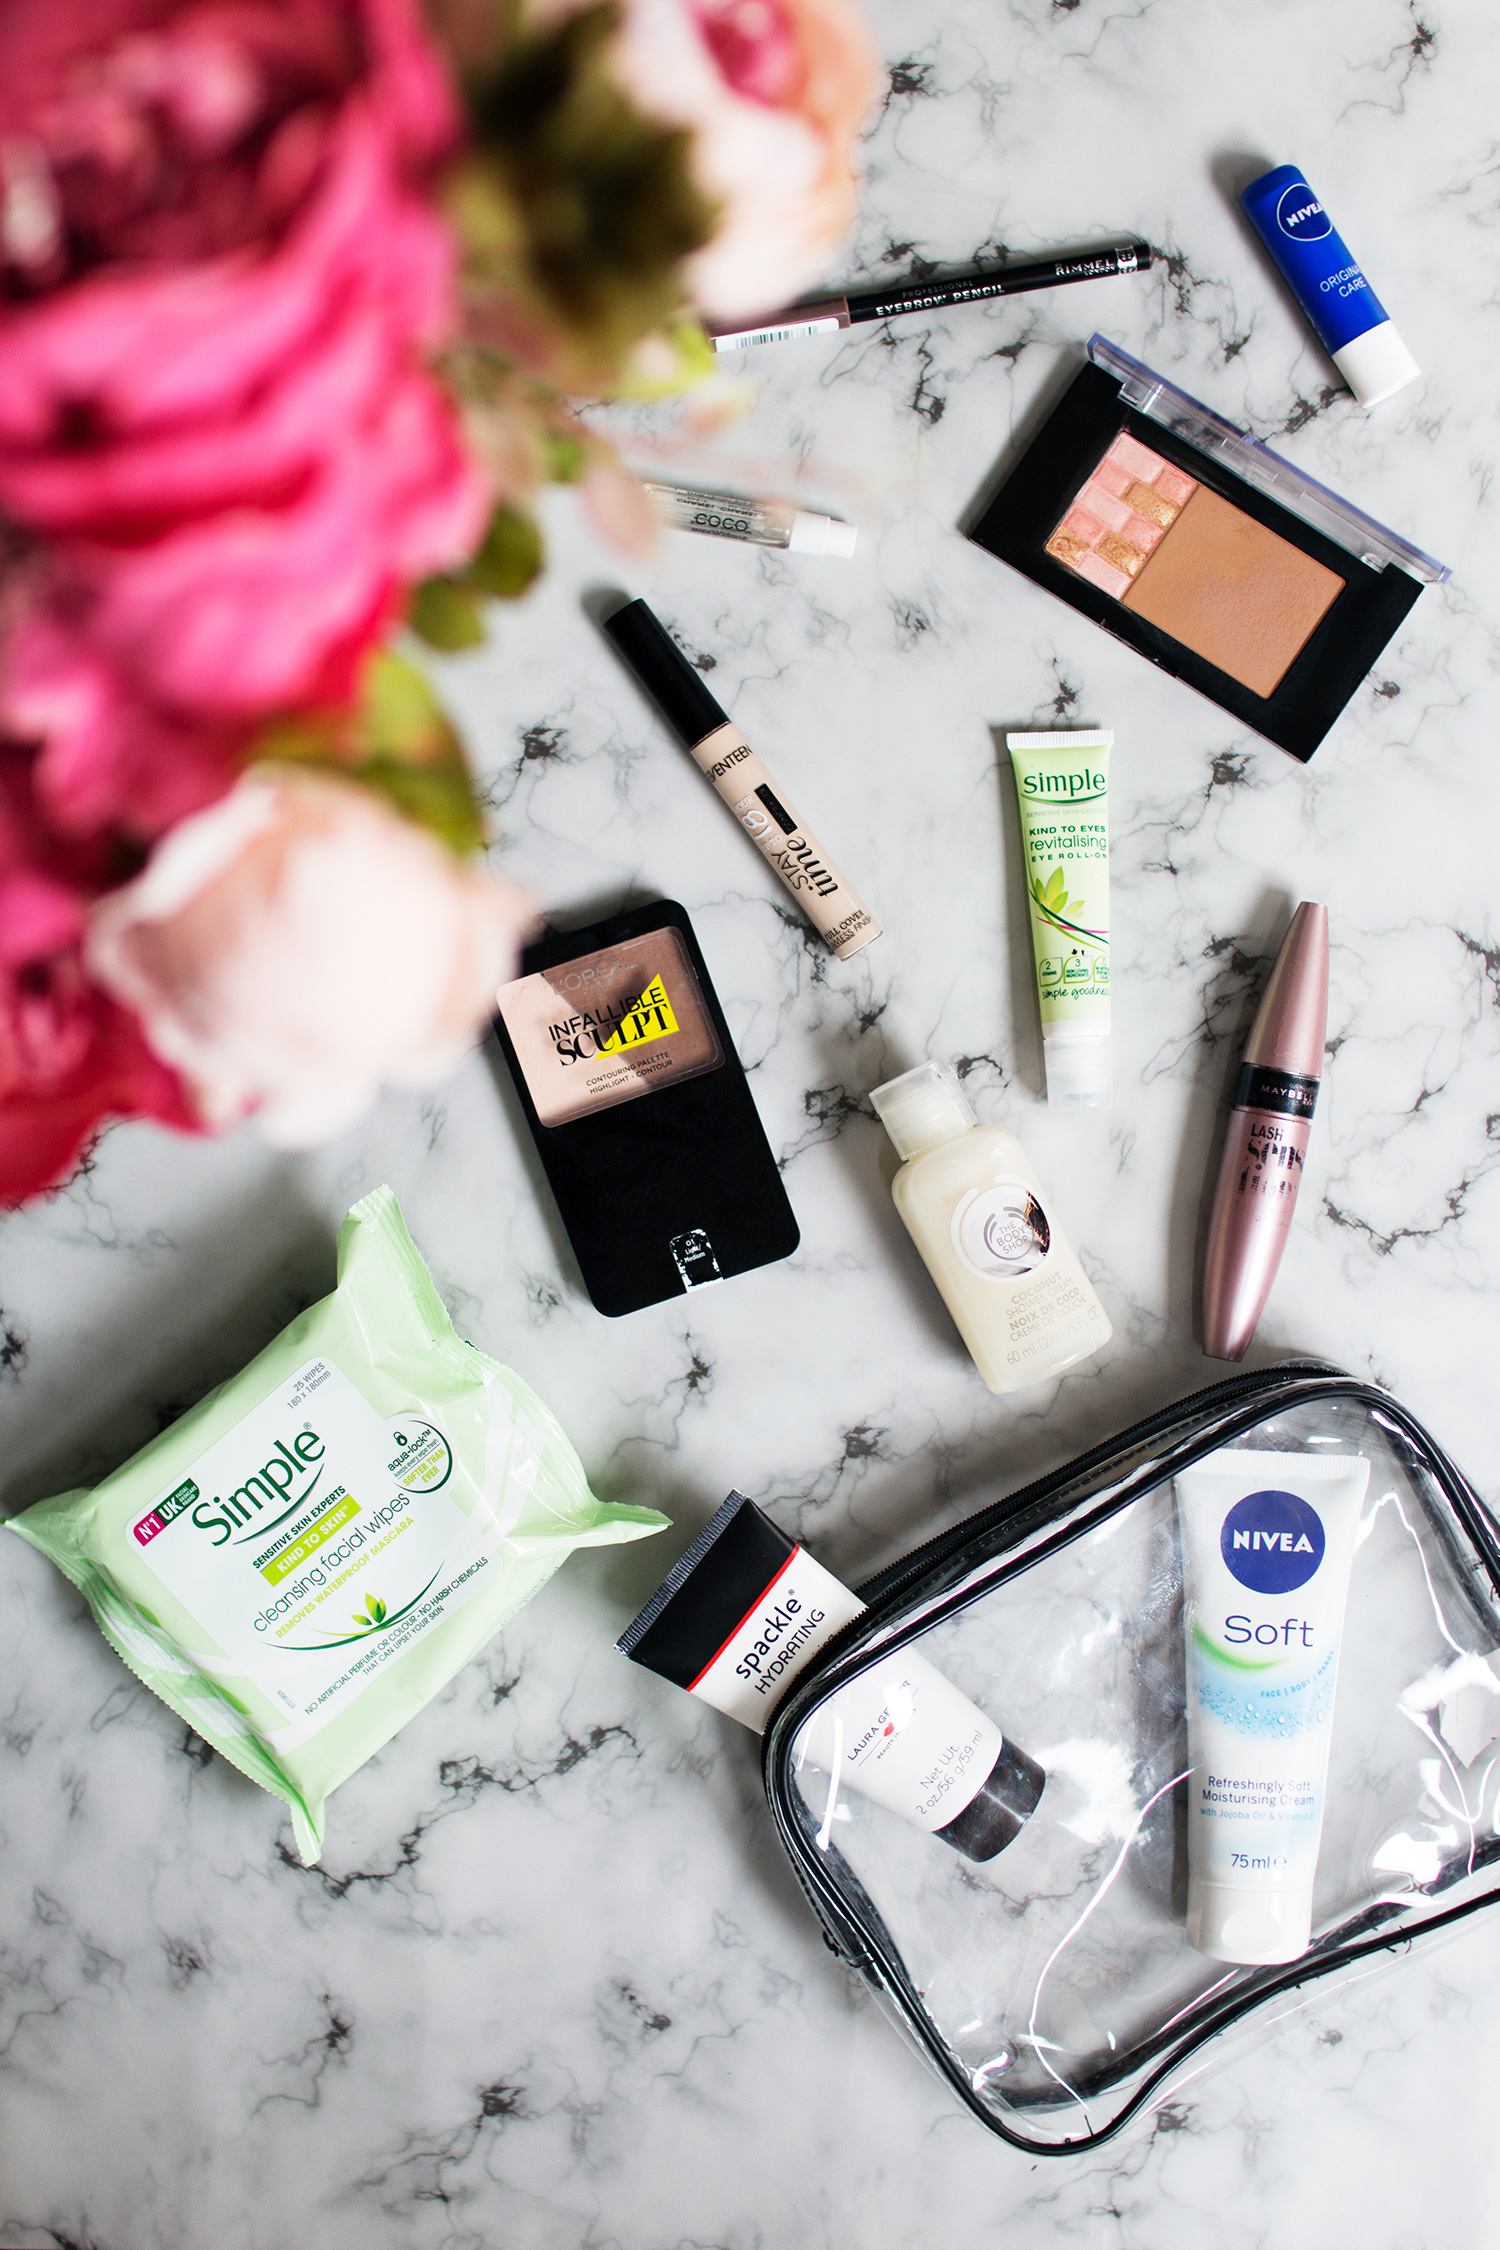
x=553, y=1985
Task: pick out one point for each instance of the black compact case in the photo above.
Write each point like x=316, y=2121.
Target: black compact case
x=675, y=1188
x=1382, y=573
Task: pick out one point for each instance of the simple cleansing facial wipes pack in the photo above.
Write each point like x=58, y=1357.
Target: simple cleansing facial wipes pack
x=301, y=1562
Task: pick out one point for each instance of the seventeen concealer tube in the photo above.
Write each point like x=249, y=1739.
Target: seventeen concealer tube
x=725, y=758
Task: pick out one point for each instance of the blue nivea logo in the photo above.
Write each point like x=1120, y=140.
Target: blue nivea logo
x=1301, y=215
x=1272, y=1542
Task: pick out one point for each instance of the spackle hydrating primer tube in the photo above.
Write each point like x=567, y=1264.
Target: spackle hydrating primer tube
x=1062, y=784
x=1267, y=1541
x=746, y=1610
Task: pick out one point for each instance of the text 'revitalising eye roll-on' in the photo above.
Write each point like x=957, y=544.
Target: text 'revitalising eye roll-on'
x=1353, y=325
x=747, y=1609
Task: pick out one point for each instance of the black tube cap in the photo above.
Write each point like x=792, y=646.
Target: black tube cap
x=664, y=672
x=1002, y=1808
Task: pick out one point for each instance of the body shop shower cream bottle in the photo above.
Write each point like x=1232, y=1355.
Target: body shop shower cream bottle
x=977, y=1212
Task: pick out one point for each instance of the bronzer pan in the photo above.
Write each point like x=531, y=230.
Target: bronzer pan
x=1204, y=550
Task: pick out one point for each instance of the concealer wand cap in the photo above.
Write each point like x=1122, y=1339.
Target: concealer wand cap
x=664, y=672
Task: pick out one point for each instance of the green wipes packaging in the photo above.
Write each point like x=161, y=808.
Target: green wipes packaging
x=302, y=1561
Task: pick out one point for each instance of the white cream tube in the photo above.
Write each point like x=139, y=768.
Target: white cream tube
x=900, y=1734
x=1267, y=1542
x=760, y=1609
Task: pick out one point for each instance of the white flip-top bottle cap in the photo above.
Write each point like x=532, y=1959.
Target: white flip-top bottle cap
x=1078, y=1067
x=1255, y=1927
x=821, y=535
x=923, y=1107
x=1377, y=365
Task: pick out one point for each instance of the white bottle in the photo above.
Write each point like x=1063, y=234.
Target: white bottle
x=977, y=1213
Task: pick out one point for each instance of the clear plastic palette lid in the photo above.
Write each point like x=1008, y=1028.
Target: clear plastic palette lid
x=1151, y=395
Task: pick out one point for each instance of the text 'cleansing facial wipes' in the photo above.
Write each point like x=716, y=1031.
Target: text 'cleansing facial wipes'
x=309, y=1555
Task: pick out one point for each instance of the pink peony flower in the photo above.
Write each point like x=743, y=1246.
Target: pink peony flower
x=297, y=946
x=70, y=1057
x=219, y=275
x=774, y=92
x=70, y=1060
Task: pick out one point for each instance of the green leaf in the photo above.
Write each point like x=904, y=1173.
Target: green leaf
x=671, y=360
x=1055, y=895
x=511, y=557
x=395, y=738
x=443, y=613
x=591, y=206
x=566, y=458
x=374, y=1607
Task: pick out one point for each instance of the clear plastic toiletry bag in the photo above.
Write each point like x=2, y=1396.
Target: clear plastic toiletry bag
x=1253, y=1647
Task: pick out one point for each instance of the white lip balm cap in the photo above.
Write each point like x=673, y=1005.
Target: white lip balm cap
x=821, y=535
x=1377, y=365
x=1256, y=1927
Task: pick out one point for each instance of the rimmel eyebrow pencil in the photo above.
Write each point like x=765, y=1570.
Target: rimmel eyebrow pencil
x=726, y=759
x=1261, y=1168
x=859, y=305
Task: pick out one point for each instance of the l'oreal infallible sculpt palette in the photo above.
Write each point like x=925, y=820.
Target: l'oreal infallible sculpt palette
x=642, y=1116
x=1204, y=550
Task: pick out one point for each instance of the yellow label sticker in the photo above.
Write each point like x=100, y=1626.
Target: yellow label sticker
x=650, y=1018
x=291, y=1558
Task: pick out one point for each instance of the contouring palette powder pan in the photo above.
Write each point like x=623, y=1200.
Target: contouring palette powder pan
x=1204, y=550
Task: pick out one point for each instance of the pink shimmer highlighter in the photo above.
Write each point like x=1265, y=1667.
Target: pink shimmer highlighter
x=1119, y=516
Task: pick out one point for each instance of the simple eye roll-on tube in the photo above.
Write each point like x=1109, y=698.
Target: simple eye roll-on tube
x=1062, y=787
x=726, y=760
x=747, y=1609
x=1267, y=1544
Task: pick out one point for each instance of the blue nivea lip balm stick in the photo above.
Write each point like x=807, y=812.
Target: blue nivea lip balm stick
x=1355, y=327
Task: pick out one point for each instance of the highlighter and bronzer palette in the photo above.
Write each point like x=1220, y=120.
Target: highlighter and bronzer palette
x=1204, y=550
x=641, y=1113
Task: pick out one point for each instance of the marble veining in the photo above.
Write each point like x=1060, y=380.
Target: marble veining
x=553, y=1987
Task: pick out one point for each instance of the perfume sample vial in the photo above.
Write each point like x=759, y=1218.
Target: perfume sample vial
x=987, y=1234
x=761, y=523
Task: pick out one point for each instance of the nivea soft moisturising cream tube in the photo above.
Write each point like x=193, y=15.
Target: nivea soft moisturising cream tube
x=1267, y=1543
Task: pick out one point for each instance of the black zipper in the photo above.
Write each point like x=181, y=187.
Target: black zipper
x=934, y=1550
x=885, y=1591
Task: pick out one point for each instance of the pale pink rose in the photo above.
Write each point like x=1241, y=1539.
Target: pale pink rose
x=299, y=945
x=774, y=92
x=220, y=275
x=619, y=506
